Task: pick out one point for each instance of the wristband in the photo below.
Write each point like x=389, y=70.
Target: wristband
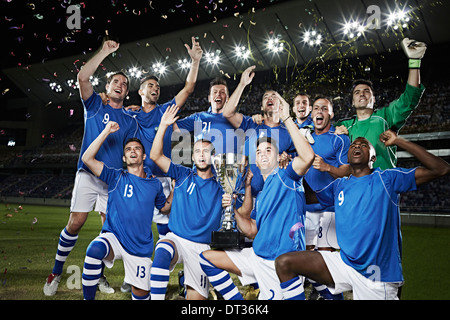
x=414, y=63
x=287, y=118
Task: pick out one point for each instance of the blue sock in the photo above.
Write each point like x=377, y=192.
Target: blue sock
x=65, y=245
x=293, y=289
x=98, y=249
x=160, y=273
x=221, y=280
x=325, y=293
x=141, y=298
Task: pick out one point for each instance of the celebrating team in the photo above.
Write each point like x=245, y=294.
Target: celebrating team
x=346, y=236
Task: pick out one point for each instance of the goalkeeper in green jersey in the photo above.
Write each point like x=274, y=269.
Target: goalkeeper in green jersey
x=370, y=123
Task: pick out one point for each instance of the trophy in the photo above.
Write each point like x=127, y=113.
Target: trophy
x=231, y=170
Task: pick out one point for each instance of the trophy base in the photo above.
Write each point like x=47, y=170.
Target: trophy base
x=227, y=240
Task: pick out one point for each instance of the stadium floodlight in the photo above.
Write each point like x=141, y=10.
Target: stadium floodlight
x=312, y=38
x=72, y=84
x=94, y=81
x=184, y=64
x=396, y=19
x=242, y=52
x=275, y=45
x=135, y=72
x=159, y=67
x=353, y=30
x=55, y=87
x=212, y=58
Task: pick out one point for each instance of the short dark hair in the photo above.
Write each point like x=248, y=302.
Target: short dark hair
x=267, y=139
x=320, y=96
x=146, y=78
x=302, y=94
x=361, y=81
x=213, y=150
x=112, y=74
x=217, y=81
x=134, y=140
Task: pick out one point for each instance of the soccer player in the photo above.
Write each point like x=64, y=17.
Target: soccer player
x=212, y=125
x=88, y=189
x=195, y=213
x=276, y=224
x=149, y=117
x=367, y=224
x=302, y=110
x=330, y=162
x=271, y=125
x=127, y=231
x=370, y=123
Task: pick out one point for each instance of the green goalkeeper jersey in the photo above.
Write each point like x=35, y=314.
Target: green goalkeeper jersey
x=391, y=117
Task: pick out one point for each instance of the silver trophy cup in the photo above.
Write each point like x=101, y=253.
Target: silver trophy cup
x=231, y=169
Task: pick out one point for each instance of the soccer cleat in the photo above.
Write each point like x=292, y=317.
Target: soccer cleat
x=51, y=285
x=125, y=287
x=103, y=285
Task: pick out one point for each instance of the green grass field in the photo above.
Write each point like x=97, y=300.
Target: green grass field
x=29, y=237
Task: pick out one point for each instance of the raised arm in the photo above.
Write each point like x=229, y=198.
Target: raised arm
x=229, y=110
x=434, y=167
x=89, y=155
x=305, y=158
x=156, y=153
x=195, y=53
x=343, y=170
x=91, y=66
x=415, y=51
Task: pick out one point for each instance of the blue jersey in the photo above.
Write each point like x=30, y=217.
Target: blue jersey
x=148, y=126
x=196, y=206
x=96, y=116
x=215, y=128
x=280, y=206
x=334, y=151
x=368, y=220
x=307, y=122
x=253, y=132
x=129, y=213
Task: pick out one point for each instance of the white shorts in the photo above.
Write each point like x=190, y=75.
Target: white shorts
x=312, y=224
x=326, y=235
x=346, y=278
x=167, y=187
x=189, y=254
x=255, y=269
x=321, y=229
x=137, y=269
x=87, y=191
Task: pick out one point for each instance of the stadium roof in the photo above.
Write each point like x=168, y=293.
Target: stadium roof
x=42, y=50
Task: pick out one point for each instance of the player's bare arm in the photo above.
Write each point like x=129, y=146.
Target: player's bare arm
x=156, y=153
x=434, y=167
x=91, y=66
x=89, y=155
x=305, y=158
x=229, y=110
x=195, y=52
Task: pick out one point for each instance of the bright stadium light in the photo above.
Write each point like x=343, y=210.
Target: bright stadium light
x=275, y=45
x=242, y=52
x=135, y=72
x=55, y=87
x=94, y=80
x=159, y=68
x=353, y=30
x=212, y=58
x=72, y=84
x=184, y=64
x=312, y=38
x=398, y=18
